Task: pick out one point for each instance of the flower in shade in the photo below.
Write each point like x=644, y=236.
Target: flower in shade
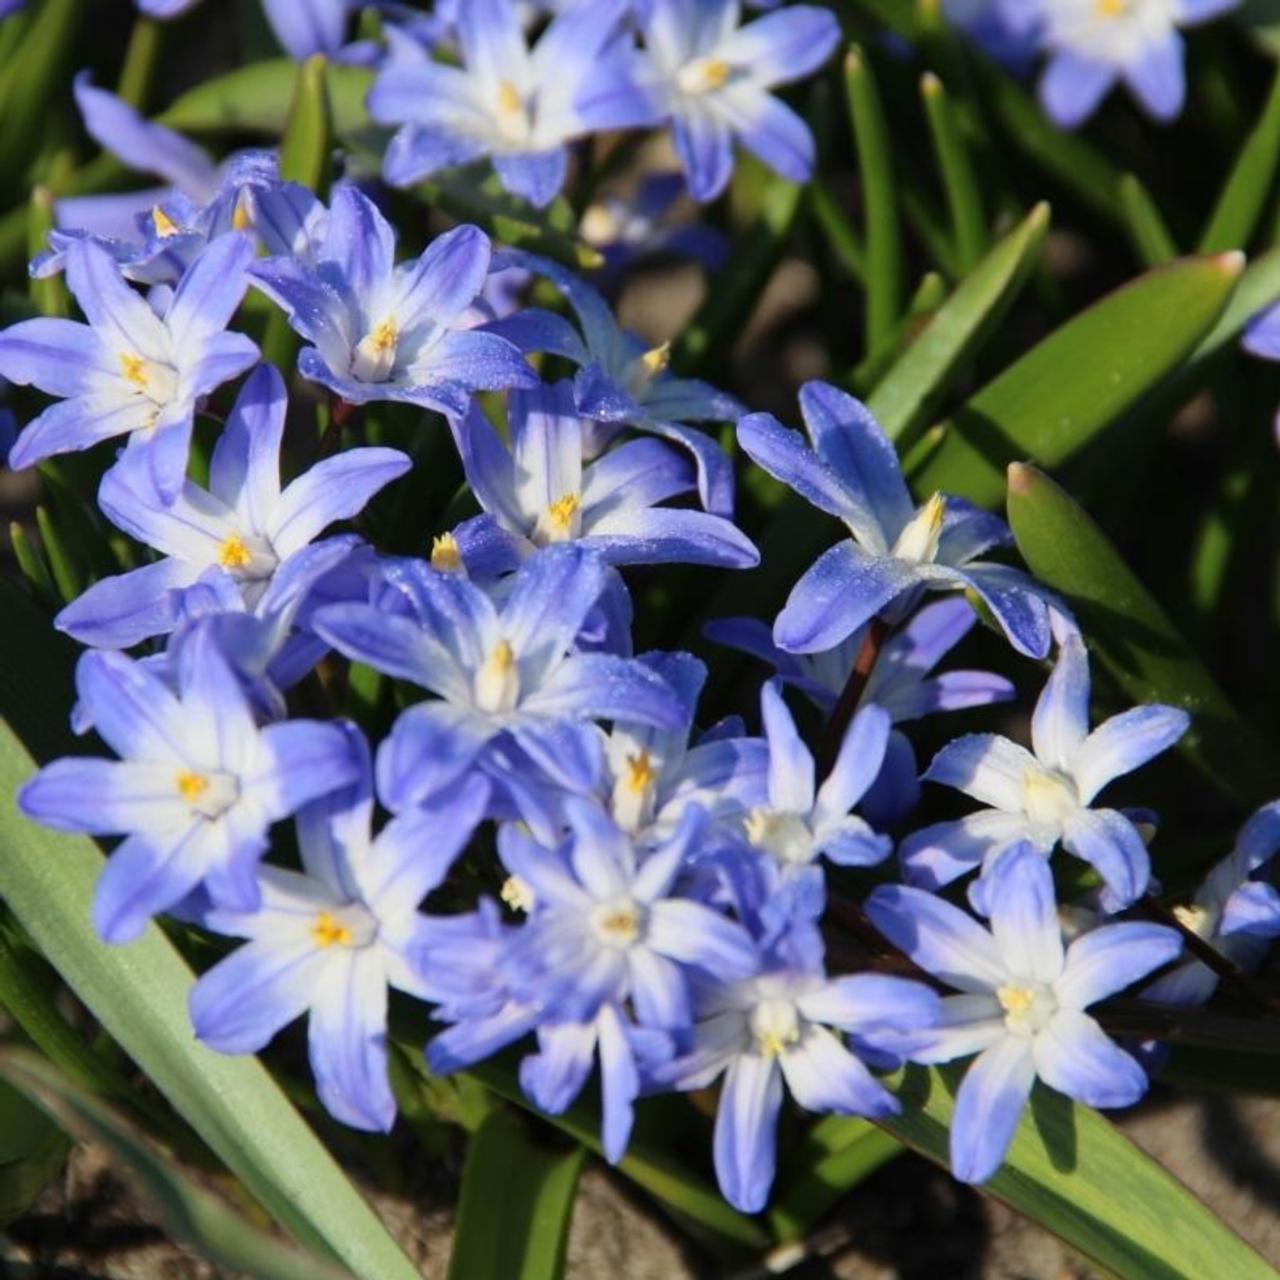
x=1023, y=1001
x=782, y=1031
x=1006, y=29
x=1235, y=910
x=896, y=550
x=131, y=372
x=303, y=27
x=1092, y=45
x=713, y=79
x=195, y=789
x=515, y=104
x=538, y=491
x=388, y=332
x=899, y=682
x=1047, y=798
x=499, y=672
x=329, y=940
x=244, y=525
x=621, y=381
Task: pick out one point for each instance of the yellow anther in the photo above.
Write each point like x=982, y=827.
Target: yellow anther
x=656, y=360
x=134, y=369
x=640, y=774
x=773, y=1045
x=1015, y=1001
x=241, y=218
x=561, y=512
x=164, y=225
x=619, y=924
x=1193, y=918
x=445, y=554
x=502, y=657
x=497, y=682
x=918, y=541
x=233, y=553
x=329, y=932
x=191, y=786
x=509, y=99
x=383, y=338
x=1111, y=8
x=517, y=894
x=375, y=354
x=703, y=75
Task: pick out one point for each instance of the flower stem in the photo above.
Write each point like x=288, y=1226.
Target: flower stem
x=851, y=695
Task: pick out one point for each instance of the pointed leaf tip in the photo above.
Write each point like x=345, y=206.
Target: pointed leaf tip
x=930, y=85
x=1232, y=263
x=1021, y=477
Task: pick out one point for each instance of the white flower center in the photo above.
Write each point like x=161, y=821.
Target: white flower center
x=776, y=1026
x=208, y=794
x=375, y=353
x=918, y=541
x=560, y=522
x=702, y=76
x=497, y=682
x=784, y=835
x=1027, y=1007
x=511, y=115
x=158, y=382
x=633, y=792
x=1048, y=797
x=619, y=924
x=350, y=926
x=247, y=558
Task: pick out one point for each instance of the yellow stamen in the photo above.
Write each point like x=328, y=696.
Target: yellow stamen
x=703, y=75
x=619, y=924
x=164, y=225
x=445, y=554
x=191, y=786
x=640, y=774
x=134, y=369
x=656, y=360
x=1015, y=1001
x=328, y=932
x=561, y=512
x=1111, y=8
x=502, y=657
x=516, y=893
x=241, y=218
x=772, y=1045
x=509, y=99
x=383, y=338
x=233, y=553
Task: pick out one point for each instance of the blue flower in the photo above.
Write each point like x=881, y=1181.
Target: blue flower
x=388, y=332
x=896, y=551
x=498, y=671
x=244, y=526
x=1234, y=910
x=129, y=371
x=195, y=789
x=606, y=923
x=899, y=682
x=1091, y=46
x=328, y=941
x=1046, y=798
x=538, y=491
x=713, y=78
x=1024, y=1001
x=303, y=27
x=621, y=382
x=1262, y=335
x=517, y=105
x=783, y=1027
x=1007, y=30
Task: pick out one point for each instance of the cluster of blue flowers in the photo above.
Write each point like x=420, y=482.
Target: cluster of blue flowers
x=642, y=896
x=1090, y=46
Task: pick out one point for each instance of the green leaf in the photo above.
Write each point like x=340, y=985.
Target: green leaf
x=1074, y=1173
x=257, y=99
x=666, y=1178
x=141, y=61
x=959, y=181
x=1133, y=636
x=67, y=574
x=33, y=565
x=1152, y=240
x=306, y=151
x=188, y=1213
x=908, y=394
x=33, y=1151
x=1079, y=379
x=139, y=992
x=839, y=231
x=31, y=80
x=879, y=201
x=515, y=1204
x=50, y=294
x=1244, y=195
x=837, y=1154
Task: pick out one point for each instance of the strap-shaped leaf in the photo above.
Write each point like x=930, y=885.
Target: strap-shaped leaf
x=1133, y=636
x=515, y=1205
x=1064, y=391
x=139, y=992
x=189, y=1213
x=1244, y=194
x=906, y=395
x=1075, y=1174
